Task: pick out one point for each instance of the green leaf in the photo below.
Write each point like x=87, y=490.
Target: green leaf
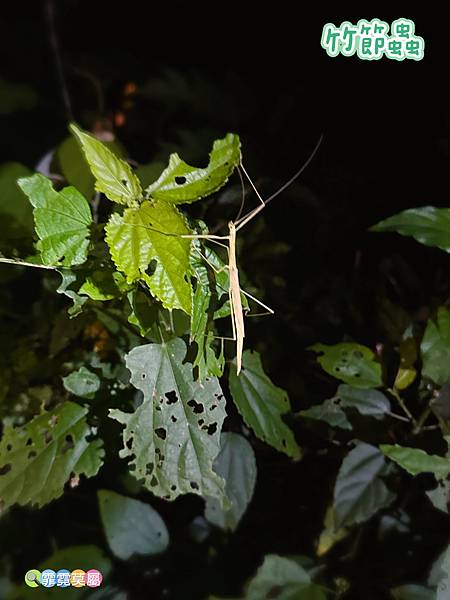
x=37, y=459
x=236, y=464
x=359, y=491
x=131, y=527
x=15, y=211
x=262, y=404
x=415, y=460
x=180, y=183
x=73, y=557
x=435, y=348
x=82, y=383
x=352, y=363
x=113, y=176
x=284, y=577
x=427, y=224
x=440, y=496
x=144, y=313
x=62, y=220
x=410, y=591
x=371, y=403
x=330, y=412
x=151, y=234
x=104, y=285
x=75, y=168
x=16, y=96
x=174, y=435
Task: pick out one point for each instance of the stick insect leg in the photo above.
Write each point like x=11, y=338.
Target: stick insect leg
x=252, y=184
x=268, y=311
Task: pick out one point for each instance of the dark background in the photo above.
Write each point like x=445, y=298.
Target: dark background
x=385, y=148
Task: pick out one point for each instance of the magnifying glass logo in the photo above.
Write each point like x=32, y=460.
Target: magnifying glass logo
x=33, y=578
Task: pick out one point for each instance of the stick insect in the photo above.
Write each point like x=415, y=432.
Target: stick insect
x=229, y=242
x=235, y=290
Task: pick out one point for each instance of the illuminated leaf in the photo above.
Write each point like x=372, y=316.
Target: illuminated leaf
x=62, y=220
x=173, y=437
x=180, y=183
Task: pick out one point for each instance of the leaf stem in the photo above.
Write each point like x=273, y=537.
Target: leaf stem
x=402, y=405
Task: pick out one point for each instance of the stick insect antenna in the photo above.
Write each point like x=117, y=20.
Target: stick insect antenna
x=246, y=218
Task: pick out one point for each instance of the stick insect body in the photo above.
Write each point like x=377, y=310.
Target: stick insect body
x=236, y=309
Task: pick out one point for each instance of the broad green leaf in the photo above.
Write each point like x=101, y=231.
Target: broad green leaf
x=37, y=459
x=427, y=224
x=113, y=176
x=435, y=348
x=262, y=404
x=415, y=460
x=62, y=220
x=330, y=412
x=173, y=437
x=281, y=578
x=16, y=215
x=16, y=96
x=359, y=491
x=410, y=591
x=131, y=526
x=180, y=183
x=236, y=464
x=352, y=363
x=82, y=383
x=75, y=168
x=371, y=403
x=147, y=237
x=73, y=557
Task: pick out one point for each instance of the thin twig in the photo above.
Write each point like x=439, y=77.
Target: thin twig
x=54, y=44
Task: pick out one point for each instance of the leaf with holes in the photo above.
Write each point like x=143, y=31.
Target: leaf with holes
x=427, y=224
x=180, y=183
x=353, y=363
x=37, y=459
x=62, y=220
x=150, y=236
x=173, y=437
x=262, y=404
x=113, y=176
x=131, y=526
x=435, y=348
x=237, y=465
x=359, y=491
